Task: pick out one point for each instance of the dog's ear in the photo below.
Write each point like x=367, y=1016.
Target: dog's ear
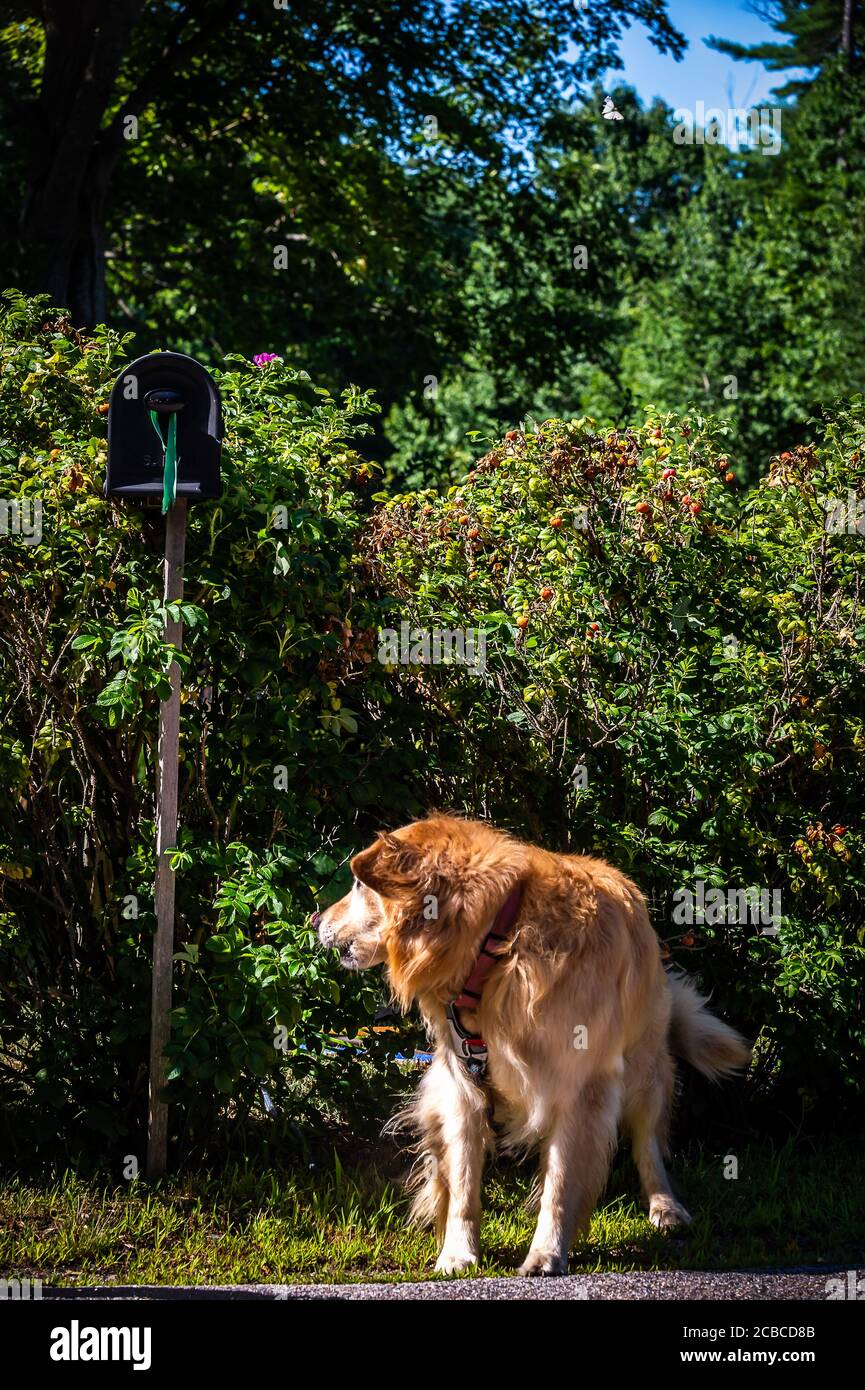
x=392, y=867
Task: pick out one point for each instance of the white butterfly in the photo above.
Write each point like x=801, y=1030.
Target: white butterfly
x=610, y=113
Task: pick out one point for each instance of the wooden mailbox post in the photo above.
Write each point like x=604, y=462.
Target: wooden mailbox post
x=164, y=441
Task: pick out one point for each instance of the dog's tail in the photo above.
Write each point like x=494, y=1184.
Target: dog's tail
x=699, y=1037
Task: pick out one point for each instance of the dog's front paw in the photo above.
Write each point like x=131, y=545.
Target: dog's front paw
x=665, y=1213
x=455, y=1261
x=542, y=1262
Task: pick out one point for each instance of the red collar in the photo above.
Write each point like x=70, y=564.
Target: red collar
x=469, y=996
x=471, y=1047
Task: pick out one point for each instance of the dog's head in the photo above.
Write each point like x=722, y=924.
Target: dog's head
x=420, y=900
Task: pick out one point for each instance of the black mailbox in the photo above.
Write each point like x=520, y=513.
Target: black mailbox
x=164, y=407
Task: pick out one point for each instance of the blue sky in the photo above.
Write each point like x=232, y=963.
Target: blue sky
x=703, y=74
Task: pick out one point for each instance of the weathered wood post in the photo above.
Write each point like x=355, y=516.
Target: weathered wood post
x=166, y=839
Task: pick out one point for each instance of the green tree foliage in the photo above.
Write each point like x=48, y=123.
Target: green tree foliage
x=394, y=196
x=813, y=34
x=214, y=100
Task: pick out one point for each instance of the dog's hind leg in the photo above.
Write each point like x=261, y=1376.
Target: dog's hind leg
x=647, y=1118
x=575, y=1161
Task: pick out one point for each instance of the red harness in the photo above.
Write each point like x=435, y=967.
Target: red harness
x=470, y=1047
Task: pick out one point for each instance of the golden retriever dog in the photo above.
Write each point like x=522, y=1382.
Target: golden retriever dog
x=578, y=1018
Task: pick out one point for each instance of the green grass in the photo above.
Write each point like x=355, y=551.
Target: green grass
x=789, y=1206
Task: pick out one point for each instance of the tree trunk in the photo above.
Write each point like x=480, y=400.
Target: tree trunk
x=847, y=24
x=65, y=246
x=73, y=149
x=70, y=163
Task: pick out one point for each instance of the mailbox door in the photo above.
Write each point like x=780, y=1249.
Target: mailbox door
x=135, y=455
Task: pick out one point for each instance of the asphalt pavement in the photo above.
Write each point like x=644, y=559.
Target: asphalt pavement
x=744, y=1285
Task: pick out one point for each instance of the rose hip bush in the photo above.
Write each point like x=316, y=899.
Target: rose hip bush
x=672, y=678
x=273, y=776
